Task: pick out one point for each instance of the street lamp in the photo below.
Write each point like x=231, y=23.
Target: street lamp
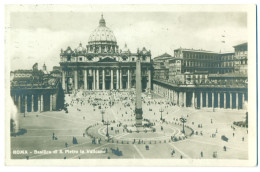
x=102, y=112
x=161, y=110
x=107, y=124
x=183, y=120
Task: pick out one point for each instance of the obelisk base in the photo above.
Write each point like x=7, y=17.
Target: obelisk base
x=138, y=123
x=138, y=117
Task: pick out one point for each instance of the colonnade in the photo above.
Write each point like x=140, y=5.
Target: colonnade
x=187, y=97
x=34, y=102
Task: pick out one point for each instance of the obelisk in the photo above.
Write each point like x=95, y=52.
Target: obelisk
x=138, y=94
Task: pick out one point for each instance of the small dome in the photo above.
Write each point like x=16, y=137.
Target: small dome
x=102, y=33
x=125, y=49
x=80, y=48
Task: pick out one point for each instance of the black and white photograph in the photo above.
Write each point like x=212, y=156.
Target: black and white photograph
x=130, y=85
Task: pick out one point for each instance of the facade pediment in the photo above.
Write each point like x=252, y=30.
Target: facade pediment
x=107, y=59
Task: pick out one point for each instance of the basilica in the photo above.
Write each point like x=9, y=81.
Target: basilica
x=101, y=65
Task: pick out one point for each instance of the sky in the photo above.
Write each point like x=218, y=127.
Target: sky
x=39, y=36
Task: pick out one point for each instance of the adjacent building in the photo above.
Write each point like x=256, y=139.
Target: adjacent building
x=205, y=79
x=36, y=91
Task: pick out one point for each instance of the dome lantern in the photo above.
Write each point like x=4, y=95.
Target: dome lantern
x=102, y=22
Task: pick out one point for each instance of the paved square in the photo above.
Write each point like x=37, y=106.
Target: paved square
x=84, y=110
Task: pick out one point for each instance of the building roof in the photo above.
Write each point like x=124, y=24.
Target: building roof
x=194, y=50
x=164, y=56
x=227, y=53
x=23, y=71
x=240, y=45
x=228, y=75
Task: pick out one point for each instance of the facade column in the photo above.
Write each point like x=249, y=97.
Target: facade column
x=128, y=79
x=94, y=79
x=201, y=100
x=25, y=103
x=50, y=102
x=213, y=100
x=85, y=75
x=121, y=81
x=218, y=100
x=193, y=99
x=63, y=81
x=184, y=99
x=225, y=100
x=103, y=80
x=237, y=105
x=32, y=108
x=112, y=80
x=75, y=79
x=117, y=79
x=207, y=99
x=97, y=86
x=231, y=100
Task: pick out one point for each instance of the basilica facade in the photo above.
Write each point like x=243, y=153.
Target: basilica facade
x=101, y=65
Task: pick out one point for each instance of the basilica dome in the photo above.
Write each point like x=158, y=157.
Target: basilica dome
x=102, y=33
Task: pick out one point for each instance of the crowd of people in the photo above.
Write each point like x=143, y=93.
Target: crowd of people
x=122, y=103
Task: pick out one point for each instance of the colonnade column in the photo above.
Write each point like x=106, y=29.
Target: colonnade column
x=54, y=101
x=19, y=103
x=149, y=79
x=128, y=79
x=207, y=99
x=85, y=75
x=50, y=102
x=32, y=109
x=39, y=103
x=225, y=100
x=75, y=79
x=121, y=82
x=201, y=99
x=178, y=98
x=237, y=105
x=112, y=79
x=103, y=80
x=97, y=86
x=25, y=103
x=175, y=98
x=218, y=100
x=117, y=79
x=63, y=80
x=243, y=101
x=231, y=99
x=213, y=100
x=181, y=99
x=42, y=103
x=184, y=99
